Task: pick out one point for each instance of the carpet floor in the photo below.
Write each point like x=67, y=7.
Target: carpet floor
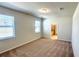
x=42, y=48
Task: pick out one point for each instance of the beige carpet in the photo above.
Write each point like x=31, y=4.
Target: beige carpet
x=42, y=48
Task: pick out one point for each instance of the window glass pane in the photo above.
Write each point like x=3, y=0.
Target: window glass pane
x=37, y=30
x=6, y=26
x=37, y=26
x=6, y=20
x=6, y=32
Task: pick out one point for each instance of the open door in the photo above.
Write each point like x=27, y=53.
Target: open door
x=53, y=31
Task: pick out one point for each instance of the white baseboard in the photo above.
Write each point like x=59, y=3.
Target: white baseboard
x=57, y=39
x=18, y=46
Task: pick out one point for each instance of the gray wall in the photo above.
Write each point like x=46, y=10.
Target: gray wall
x=46, y=28
x=75, y=32
x=24, y=30
x=64, y=27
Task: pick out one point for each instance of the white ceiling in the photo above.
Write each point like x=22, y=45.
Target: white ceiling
x=32, y=7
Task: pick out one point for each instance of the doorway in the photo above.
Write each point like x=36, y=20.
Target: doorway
x=54, y=32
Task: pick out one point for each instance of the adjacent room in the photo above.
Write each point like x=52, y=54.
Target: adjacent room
x=39, y=29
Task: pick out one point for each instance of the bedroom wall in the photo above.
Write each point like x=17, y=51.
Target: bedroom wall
x=24, y=30
x=75, y=32
x=64, y=27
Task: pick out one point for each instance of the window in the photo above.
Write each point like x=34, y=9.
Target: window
x=37, y=26
x=6, y=27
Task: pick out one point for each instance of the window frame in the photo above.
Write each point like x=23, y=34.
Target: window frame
x=13, y=27
x=39, y=26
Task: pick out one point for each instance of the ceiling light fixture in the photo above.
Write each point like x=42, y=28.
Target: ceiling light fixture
x=44, y=10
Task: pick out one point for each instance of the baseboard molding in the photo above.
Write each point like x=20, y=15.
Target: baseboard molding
x=66, y=40
x=57, y=39
x=18, y=46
